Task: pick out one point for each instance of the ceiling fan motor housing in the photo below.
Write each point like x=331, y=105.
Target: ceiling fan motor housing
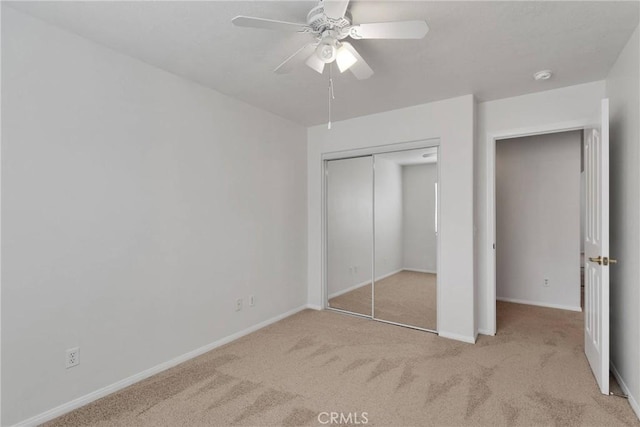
x=320, y=23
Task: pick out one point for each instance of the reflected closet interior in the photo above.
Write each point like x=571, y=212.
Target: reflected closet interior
x=382, y=236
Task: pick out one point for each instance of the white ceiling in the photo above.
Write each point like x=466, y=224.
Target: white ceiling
x=412, y=157
x=490, y=49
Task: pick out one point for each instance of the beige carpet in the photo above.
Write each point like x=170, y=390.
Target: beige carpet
x=533, y=373
x=407, y=297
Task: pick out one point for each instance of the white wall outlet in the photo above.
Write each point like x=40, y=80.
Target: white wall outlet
x=239, y=304
x=73, y=357
x=546, y=283
x=252, y=300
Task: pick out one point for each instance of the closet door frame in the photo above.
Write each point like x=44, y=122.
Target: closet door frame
x=365, y=152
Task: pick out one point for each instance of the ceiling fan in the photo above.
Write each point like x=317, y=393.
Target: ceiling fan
x=330, y=23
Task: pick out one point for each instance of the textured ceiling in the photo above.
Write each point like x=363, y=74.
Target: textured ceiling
x=489, y=49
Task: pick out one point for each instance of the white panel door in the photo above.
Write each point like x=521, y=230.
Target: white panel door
x=596, y=247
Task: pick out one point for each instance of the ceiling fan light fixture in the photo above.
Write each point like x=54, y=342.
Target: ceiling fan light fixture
x=326, y=51
x=345, y=59
x=315, y=63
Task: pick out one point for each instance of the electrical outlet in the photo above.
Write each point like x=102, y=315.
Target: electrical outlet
x=252, y=301
x=546, y=283
x=73, y=357
x=239, y=304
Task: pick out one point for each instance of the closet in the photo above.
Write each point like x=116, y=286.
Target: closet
x=381, y=236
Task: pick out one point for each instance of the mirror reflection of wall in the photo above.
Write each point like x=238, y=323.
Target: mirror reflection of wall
x=420, y=239
x=406, y=238
x=349, y=234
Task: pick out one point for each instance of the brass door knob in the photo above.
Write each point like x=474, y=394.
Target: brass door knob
x=596, y=260
x=600, y=260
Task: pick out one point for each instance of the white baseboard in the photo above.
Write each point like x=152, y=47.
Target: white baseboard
x=356, y=286
x=95, y=395
x=632, y=400
x=314, y=307
x=359, y=285
x=486, y=332
x=417, y=270
x=539, y=304
x=457, y=337
x=349, y=289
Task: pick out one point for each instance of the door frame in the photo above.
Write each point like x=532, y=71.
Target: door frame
x=372, y=151
x=490, y=303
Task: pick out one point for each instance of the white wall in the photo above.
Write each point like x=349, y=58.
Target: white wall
x=349, y=223
x=538, y=219
x=623, y=92
x=388, y=217
x=420, y=240
x=453, y=122
x=136, y=208
x=519, y=114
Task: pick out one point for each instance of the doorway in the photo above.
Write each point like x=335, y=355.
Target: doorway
x=596, y=247
x=490, y=271
x=538, y=220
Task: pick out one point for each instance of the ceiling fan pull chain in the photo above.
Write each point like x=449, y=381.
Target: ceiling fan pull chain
x=331, y=95
x=329, y=122
x=331, y=80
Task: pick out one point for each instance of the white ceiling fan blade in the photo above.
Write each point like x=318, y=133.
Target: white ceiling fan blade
x=315, y=63
x=296, y=59
x=360, y=69
x=390, y=30
x=270, y=24
x=335, y=8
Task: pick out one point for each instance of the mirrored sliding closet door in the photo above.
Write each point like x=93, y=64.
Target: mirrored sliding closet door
x=349, y=226
x=382, y=236
x=406, y=236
